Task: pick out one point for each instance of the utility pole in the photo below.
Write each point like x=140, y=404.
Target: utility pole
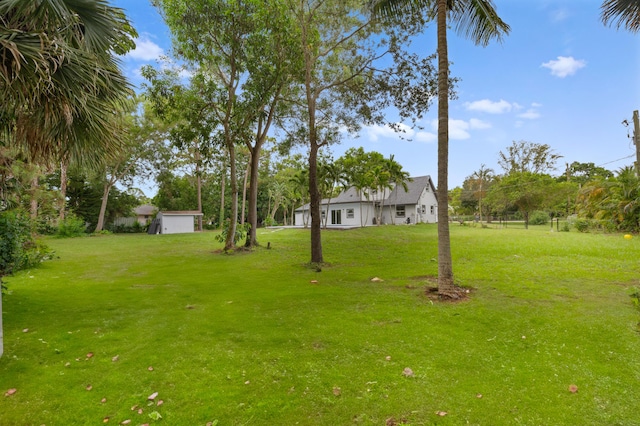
x=636, y=140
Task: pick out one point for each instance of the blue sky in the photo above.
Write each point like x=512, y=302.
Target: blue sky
x=560, y=78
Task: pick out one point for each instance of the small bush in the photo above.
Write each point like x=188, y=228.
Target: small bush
x=539, y=218
x=18, y=249
x=72, y=226
x=565, y=227
x=582, y=225
x=241, y=232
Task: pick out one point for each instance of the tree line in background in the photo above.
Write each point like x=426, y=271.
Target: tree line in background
x=591, y=196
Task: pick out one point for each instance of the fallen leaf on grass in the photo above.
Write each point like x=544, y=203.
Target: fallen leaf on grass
x=134, y=408
x=10, y=392
x=89, y=387
x=159, y=403
x=376, y=280
x=388, y=358
x=105, y=420
x=155, y=415
x=26, y=330
x=407, y=372
x=140, y=411
x=90, y=355
x=152, y=396
x=115, y=358
x=573, y=388
x=314, y=281
x=479, y=396
x=126, y=422
x=103, y=400
x=441, y=413
x=150, y=368
x=337, y=391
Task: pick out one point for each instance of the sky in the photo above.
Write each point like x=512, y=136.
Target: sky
x=559, y=78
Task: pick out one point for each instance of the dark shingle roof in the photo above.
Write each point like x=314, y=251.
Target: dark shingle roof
x=396, y=196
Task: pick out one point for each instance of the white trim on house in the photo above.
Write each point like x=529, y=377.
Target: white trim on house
x=363, y=208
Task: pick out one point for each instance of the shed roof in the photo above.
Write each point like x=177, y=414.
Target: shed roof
x=180, y=213
x=145, y=210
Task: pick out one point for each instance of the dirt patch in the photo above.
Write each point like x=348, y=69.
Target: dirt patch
x=454, y=295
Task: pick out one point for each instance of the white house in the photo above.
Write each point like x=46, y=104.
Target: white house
x=368, y=207
x=178, y=222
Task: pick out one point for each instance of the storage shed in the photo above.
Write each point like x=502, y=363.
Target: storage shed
x=177, y=222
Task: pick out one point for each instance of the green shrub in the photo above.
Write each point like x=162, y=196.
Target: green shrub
x=241, y=232
x=71, y=226
x=18, y=249
x=582, y=225
x=565, y=227
x=539, y=218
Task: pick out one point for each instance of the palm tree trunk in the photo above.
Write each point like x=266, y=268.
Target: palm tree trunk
x=445, y=264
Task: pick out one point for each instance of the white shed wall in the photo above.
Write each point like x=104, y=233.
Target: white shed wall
x=177, y=224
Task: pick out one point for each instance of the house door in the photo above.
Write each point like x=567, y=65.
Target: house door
x=336, y=217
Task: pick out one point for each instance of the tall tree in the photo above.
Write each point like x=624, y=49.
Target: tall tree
x=625, y=12
x=478, y=21
x=531, y=157
x=246, y=54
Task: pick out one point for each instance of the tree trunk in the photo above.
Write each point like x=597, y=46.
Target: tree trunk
x=314, y=207
x=103, y=206
x=34, y=198
x=222, y=190
x=244, y=192
x=233, y=217
x=199, y=187
x=445, y=264
x=252, y=238
x=63, y=190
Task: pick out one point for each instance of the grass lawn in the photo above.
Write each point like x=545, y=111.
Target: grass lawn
x=250, y=339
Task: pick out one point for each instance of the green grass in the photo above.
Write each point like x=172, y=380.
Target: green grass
x=248, y=339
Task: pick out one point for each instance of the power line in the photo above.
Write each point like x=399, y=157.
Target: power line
x=619, y=159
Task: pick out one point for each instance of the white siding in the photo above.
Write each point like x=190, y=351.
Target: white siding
x=177, y=224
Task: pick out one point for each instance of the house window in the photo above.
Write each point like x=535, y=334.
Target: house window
x=400, y=211
x=423, y=209
x=336, y=217
x=350, y=214
x=433, y=209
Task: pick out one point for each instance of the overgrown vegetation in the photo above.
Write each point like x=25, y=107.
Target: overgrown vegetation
x=260, y=338
x=18, y=248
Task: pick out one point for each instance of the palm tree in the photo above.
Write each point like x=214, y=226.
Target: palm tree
x=625, y=12
x=479, y=21
x=59, y=80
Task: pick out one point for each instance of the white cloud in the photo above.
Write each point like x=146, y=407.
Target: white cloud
x=559, y=15
x=530, y=114
x=564, y=66
x=145, y=50
x=474, y=123
x=536, y=105
x=458, y=130
x=375, y=133
x=488, y=106
x=426, y=137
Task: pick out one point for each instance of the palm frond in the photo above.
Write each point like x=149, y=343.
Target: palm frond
x=621, y=13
